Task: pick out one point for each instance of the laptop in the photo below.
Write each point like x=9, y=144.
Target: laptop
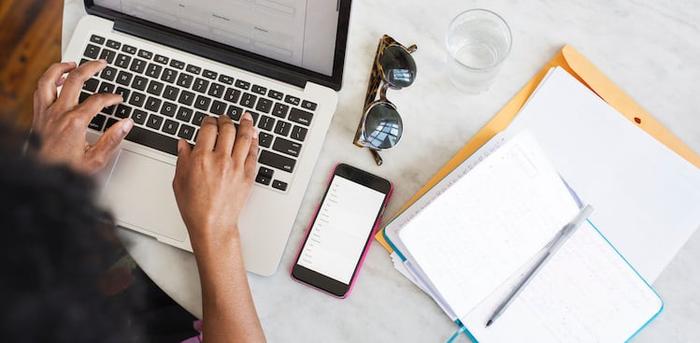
x=174, y=62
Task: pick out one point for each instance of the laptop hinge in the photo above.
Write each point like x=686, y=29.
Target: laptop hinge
x=191, y=45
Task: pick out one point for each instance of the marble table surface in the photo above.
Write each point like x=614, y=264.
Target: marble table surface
x=650, y=48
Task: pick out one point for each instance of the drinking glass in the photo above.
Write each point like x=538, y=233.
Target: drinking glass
x=478, y=41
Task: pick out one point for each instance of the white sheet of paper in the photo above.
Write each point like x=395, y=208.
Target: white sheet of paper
x=647, y=198
x=585, y=293
x=496, y=218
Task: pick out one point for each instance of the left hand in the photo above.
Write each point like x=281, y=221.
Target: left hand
x=62, y=123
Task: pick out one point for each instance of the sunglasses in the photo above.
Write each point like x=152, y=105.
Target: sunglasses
x=380, y=126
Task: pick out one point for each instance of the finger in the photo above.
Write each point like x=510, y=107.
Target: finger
x=243, y=140
x=75, y=80
x=94, y=104
x=100, y=153
x=227, y=135
x=251, y=159
x=206, y=138
x=183, y=149
x=46, y=89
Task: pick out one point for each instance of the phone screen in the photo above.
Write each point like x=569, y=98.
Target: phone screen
x=341, y=229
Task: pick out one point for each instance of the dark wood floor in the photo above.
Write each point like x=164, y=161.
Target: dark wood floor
x=30, y=40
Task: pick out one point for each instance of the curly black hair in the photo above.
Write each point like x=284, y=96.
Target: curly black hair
x=55, y=246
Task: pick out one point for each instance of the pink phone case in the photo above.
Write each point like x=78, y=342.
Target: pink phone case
x=377, y=224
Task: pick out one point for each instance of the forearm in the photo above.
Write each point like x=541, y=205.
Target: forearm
x=228, y=309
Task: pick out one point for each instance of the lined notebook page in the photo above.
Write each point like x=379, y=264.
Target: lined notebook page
x=586, y=293
x=476, y=234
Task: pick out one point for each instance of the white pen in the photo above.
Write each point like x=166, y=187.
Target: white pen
x=551, y=248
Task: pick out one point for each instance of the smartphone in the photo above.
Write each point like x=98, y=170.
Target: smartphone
x=341, y=230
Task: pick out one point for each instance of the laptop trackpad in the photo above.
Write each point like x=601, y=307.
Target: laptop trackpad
x=140, y=194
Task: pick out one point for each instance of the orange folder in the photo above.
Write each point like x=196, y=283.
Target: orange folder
x=587, y=73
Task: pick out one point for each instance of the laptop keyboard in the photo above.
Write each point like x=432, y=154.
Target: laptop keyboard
x=168, y=99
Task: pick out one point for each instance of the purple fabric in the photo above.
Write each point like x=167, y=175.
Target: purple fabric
x=197, y=325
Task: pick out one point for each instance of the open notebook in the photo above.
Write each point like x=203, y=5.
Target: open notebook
x=471, y=243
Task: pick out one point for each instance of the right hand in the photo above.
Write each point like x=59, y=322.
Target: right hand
x=213, y=180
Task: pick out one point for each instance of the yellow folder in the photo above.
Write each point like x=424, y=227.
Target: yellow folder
x=587, y=73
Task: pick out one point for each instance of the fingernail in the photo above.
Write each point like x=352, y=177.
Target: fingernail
x=103, y=61
x=127, y=126
x=247, y=116
x=257, y=132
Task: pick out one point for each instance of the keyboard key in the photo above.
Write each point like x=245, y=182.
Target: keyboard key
x=292, y=100
x=259, y=89
x=170, y=126
x=138, y=65
x=184, y=114
x=198, y=118
x=279, y=185
x=311, y=106
x=154, y=121
x=280, y=110
x=234, y=112
x=185, y=80
x=153, y=140
x=216, y=90
x=242, y=84
x=83, y=61
x=200, y=85
x=168, y=109
x=108, y=110
x=97, y=122
x=122, y=61
x=262, y=179
x=153, y=104
x=266, y=171
x=225, y=79
x=186, y=98
x=91, y=85
x=137, y=99
x=171, y=93
x=124, y=92
x=139, y=116
x=278, y=161
x=110, y=122
x=97, y=39
x=209, y=74
x=202, y=103
x=299, y=116
x=145, y=54
x=177, y=64
x=169, y=75
x=254, y=115
x=124, y=78
x=286, y=146
x=298, y=133
x=186, y=132
x=108, y=73
x=161, y=59
x=218, y=107
x=275, y=94
x=155, y=88
x=193, y=69
x=153, y=70
x=248, y=100
x=264, y=105
x=129, y=49
x=123, y=111
x=282, y=128
x=139, y=83
x=232, y=95
x=83, y=96
x=265, y=139
x=105, y=87
x=113, y=44
x=108, y=55
x=266, y=123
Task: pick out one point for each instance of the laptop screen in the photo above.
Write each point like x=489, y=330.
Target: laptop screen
x=298, y=32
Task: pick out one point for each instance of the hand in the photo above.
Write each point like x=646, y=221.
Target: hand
x=62, y=123
x=213, y=180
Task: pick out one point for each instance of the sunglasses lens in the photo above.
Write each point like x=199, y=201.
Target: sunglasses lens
x=383, y=126
x=398, y=66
